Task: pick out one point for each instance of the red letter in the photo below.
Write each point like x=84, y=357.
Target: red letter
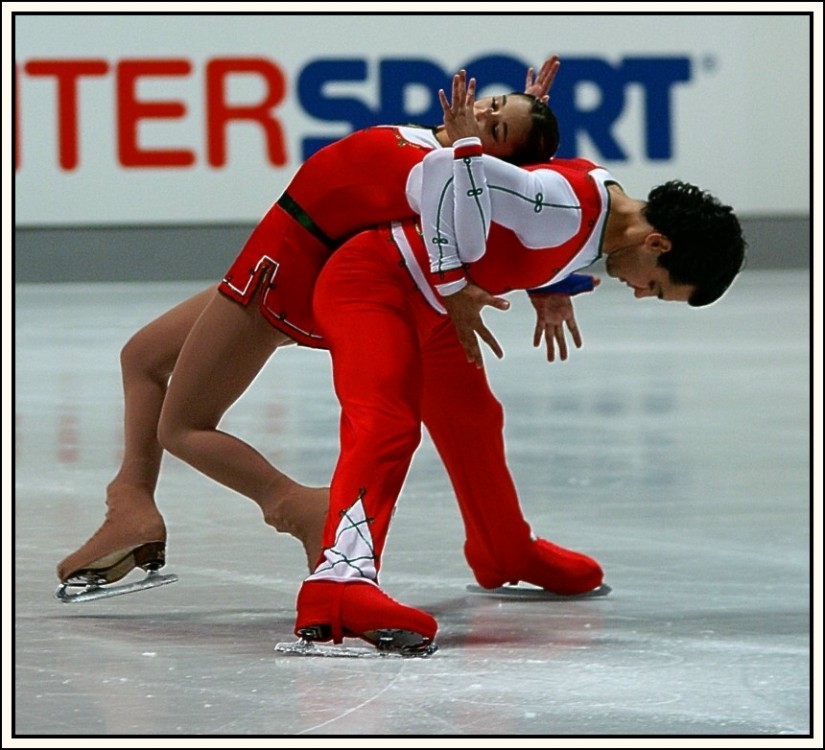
x=130, y=111
x=16, y=117
x=219, y=113
x=67, y=72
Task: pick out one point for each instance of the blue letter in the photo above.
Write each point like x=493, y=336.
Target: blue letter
x=396, y=76
x=311, y=84
x=657, y=76
x=596, y=122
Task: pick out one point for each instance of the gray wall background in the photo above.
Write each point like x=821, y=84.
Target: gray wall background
x=191, y=253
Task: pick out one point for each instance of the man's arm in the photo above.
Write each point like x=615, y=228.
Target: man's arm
x=456, y=213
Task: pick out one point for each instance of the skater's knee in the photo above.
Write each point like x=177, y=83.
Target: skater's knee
x=147, y=356
x=406, y=441
x=172, y=435
x=390, y=440
x=181, y=432
x=166, y=436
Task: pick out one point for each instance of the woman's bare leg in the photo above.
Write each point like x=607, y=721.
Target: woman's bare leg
x=132, y=519
x=226, y=349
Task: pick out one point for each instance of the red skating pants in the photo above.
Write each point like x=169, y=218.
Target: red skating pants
x=398, y=362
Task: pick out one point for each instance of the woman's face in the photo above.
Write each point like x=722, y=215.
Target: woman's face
x=505, y=123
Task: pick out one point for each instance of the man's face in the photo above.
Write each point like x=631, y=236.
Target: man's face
x=505, y=123
x=638, y=267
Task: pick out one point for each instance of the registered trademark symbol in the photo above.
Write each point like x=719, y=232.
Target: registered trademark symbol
x=710, y=63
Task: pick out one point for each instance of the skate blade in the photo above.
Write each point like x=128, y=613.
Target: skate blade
x=303, y=647
x=533, y=592
x=405, y=643
x=94, y=591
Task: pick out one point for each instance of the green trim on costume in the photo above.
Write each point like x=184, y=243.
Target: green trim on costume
x=537, y=202
x=474, y=192
x=606, y=184
x=439, y=239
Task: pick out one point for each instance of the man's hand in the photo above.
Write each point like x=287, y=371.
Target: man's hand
x=459, y=114
x=539, y=86
x=464, y=308
x=553, y=311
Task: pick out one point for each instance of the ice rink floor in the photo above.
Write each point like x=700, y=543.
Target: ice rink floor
x=674, y=447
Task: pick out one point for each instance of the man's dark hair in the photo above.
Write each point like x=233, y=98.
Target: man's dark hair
x=543, y=138
x=707, y=248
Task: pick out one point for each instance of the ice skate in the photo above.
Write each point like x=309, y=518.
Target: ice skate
x=132, y=536
x=534, y=593
x=332, y=611
x=304, y=647
x=544, y=565
x=87, y=588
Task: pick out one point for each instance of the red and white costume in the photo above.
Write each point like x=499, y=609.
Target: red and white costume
x=540, y=223
x=352, y=184
x=397, y=359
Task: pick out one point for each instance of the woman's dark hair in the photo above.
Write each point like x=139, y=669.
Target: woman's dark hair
x=707, y=247
x=543, y=139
